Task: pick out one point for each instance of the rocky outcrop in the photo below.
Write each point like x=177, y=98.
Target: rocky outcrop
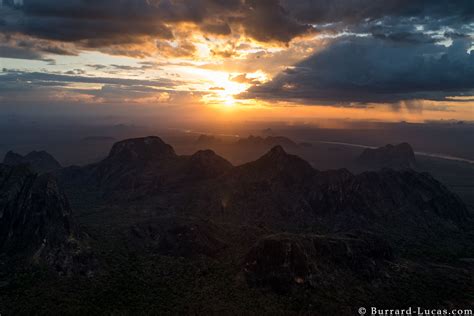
x=39, y=161
x=36, y=223
x=286, y=261
x=396, y=157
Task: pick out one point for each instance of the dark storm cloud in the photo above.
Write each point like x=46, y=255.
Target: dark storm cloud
x=75, y=20
x=107, y=22
x=112, y=22
x=267, y=20
x=370, y=69
x=354, y=11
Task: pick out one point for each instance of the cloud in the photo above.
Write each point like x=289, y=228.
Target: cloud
x=40, y=78
x=20, y=53
x=130, y=27
x=118, y=22
x=25, y=47
x=355, y=11
x=373, y=70
x=244, y=78
x=75, y=87
x=267, y=20
x=393, y=55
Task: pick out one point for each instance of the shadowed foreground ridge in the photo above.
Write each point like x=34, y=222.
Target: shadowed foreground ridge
x=194, y=234
x=36, y=223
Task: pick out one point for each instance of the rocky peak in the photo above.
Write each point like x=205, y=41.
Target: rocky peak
x=280, y=140
x=204, y=155
x=141, y=149
x=12, y=158
x=39, y=161
x=276, y=164
x=43, y=213
x=400, y=156
x=208, y=157
x=36, y=222
x=206, y=163
x=277, y=151
x=278, y=158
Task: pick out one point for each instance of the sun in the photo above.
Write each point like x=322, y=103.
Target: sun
x=230, y=101
x=222, y=91
x=220, y=88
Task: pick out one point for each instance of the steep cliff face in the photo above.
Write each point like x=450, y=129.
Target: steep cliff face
x=36, y=222
x=400, y=156
x=39, y=161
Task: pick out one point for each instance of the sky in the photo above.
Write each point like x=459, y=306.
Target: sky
x=224, y=60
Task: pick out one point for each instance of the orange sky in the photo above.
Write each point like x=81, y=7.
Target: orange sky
x=203, y=68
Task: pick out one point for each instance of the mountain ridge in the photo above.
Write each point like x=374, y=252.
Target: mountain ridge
x=40, y=161
x=280, y=190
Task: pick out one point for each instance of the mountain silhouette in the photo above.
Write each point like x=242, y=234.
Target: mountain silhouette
x=40, y=161
x=400, y=156
x=185, y=224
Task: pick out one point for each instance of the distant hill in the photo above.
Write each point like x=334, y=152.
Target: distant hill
x=207, y=140
x=269, y=141
x=39, y=161
x=98, y=139
x=399, y=156
x=253, y=142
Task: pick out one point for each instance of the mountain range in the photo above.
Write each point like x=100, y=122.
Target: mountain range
x=270, y=235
